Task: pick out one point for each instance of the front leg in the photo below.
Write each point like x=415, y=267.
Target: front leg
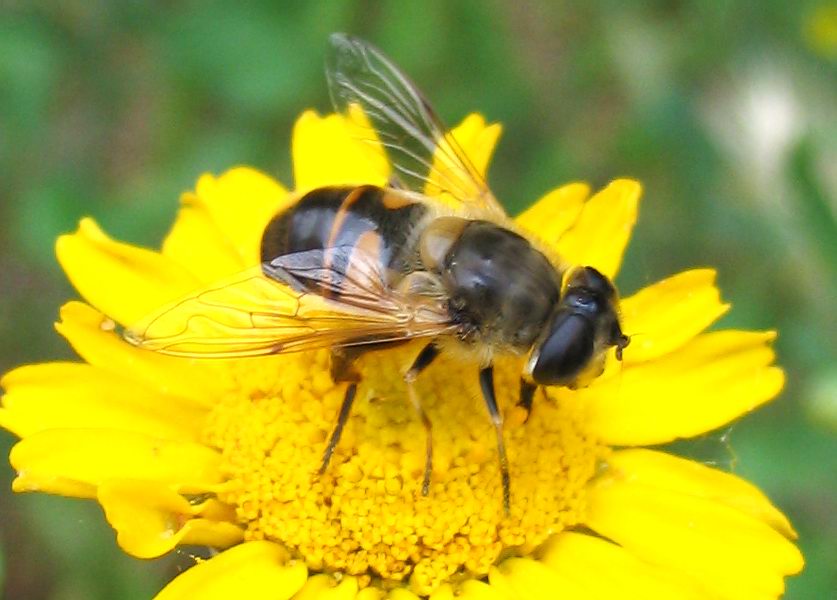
x=487, y=385
x=527, y=395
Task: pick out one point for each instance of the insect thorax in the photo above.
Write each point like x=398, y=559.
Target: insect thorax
x=501, y=290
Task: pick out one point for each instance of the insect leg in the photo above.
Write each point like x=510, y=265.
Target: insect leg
x=527, y=394
x=341, y=370
x=345, y=409
x=423, y=360
x=487, y=385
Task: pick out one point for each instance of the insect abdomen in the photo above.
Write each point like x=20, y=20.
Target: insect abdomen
x=341, y=220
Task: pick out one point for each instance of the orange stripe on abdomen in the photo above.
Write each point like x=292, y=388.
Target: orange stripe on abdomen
x=342, y=212
x=337, y=232
x=344, y=222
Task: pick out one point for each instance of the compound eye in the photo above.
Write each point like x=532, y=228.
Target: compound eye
x=566, y=351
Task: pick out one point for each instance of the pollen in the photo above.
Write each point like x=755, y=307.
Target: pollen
x=366, y=514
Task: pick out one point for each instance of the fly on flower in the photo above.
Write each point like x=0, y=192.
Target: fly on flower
x=361, y=268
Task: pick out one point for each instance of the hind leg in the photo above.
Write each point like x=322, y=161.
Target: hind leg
x=342, y=370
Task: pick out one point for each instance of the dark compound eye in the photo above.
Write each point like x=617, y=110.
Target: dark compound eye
x=567, y=350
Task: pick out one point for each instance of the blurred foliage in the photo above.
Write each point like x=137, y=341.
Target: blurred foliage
x=724, y=110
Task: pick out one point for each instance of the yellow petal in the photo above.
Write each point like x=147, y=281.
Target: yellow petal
x=531, y=579
x=402, y=594
x=731, y=553
x=601, y=233
x=253, y=570
x=325, y=587
x=710, y=381
x=443, y=592
x=197, y=244
x=554, y=213
x=241, y=202
x=658, y=469
x=93, y=337
x=473, y=589
x=477, y=140
x=123, y=281
x=474, y=140
x=69, y=395
x=499, y=582
x=369, y=593
x=151, y=519
x=667, y=314
x=58, y=460
x=605, y=570
x=326, y=153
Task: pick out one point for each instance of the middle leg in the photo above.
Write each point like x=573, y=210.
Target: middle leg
x=487, y=385
x=422, y=361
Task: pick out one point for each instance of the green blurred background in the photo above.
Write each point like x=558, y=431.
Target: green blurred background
x=726, y=111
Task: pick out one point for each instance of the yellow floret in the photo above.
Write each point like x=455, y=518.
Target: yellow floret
x=366, y=515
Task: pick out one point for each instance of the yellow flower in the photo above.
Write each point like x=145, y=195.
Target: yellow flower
x=820, y=30
x=224, y=453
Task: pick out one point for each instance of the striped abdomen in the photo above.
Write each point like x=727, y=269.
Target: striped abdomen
x=339, y=222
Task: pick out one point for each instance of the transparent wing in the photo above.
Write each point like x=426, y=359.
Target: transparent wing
x=254, y=314
x=385, y=107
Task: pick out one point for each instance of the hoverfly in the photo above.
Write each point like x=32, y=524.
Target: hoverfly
x=357, y=268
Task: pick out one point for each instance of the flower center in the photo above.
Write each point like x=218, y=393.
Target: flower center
x=366, y=515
